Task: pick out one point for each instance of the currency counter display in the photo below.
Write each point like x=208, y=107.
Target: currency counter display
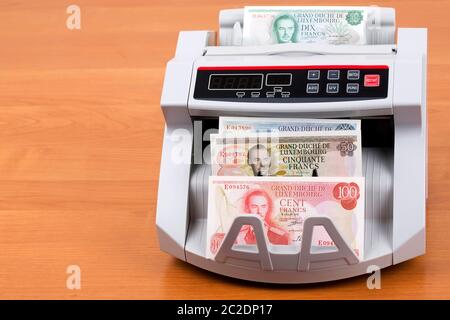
x=382, y=83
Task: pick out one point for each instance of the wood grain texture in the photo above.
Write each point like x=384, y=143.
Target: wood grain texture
x=80, y=136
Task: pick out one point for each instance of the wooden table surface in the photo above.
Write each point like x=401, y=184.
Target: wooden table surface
x=80, y=143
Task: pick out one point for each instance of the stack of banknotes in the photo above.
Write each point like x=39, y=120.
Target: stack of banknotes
x=284, y=171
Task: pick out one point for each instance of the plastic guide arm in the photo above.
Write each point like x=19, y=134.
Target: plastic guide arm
x=264, y=256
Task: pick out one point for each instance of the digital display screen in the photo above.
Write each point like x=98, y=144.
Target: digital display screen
x=278, y=79
x=235, y=81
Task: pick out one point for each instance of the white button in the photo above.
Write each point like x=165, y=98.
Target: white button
x=332, y=87
x=353, y=74
x=352, y=87
x=333, y=75
x=313, y=74
x=312, y=88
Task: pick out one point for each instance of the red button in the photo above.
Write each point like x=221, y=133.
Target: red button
x=372, y=80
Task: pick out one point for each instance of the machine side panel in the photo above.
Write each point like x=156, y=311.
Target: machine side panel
x=410, y=146
x=171, y=217
x=172, y=210
x=173, y=190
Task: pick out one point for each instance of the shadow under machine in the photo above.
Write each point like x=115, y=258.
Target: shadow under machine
x=389, y=98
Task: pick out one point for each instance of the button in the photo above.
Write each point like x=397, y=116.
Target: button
x=312, y=88
x=372, y=80
x=333, y=75
x=278, y=89
x=332, y=87
x=352, y=87
x=353, y=74
x=313, y=74
x=270, y=94
x=240, y=94
x=285, y=94
x=255, y=94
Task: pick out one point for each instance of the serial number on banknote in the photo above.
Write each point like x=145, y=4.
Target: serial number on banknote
x=236, y=187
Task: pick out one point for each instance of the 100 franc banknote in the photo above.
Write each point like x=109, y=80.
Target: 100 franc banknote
x=265, y=25
x=330, y=154
x=256, y=124
x=283, y=204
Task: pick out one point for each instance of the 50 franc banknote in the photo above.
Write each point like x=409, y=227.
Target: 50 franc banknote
x=330, y=154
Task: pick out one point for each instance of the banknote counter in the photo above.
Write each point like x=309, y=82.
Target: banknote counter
x=383, y=84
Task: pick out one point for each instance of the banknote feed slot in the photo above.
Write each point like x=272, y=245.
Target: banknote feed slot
x=393, y=124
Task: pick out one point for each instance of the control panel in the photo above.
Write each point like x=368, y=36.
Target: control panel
x=292, y=83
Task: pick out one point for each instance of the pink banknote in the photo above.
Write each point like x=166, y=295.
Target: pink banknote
x=283, y=204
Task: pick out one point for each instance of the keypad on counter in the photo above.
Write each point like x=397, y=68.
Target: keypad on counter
x=352, y=88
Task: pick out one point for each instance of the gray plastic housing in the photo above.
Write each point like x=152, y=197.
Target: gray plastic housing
x=396, y=178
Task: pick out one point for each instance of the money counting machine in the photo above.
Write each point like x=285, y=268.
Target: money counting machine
x=384, y=85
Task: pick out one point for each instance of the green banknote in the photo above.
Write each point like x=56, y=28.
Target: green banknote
x=265, y=25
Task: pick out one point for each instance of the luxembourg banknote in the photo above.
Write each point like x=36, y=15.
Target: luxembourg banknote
x=265, y=25
x=323, y=154
x=283, y=205
x=254, y=124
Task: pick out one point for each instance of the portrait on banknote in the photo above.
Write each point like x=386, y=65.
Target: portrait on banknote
x=259, y=202
x=285, y=28
x=259, y=160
